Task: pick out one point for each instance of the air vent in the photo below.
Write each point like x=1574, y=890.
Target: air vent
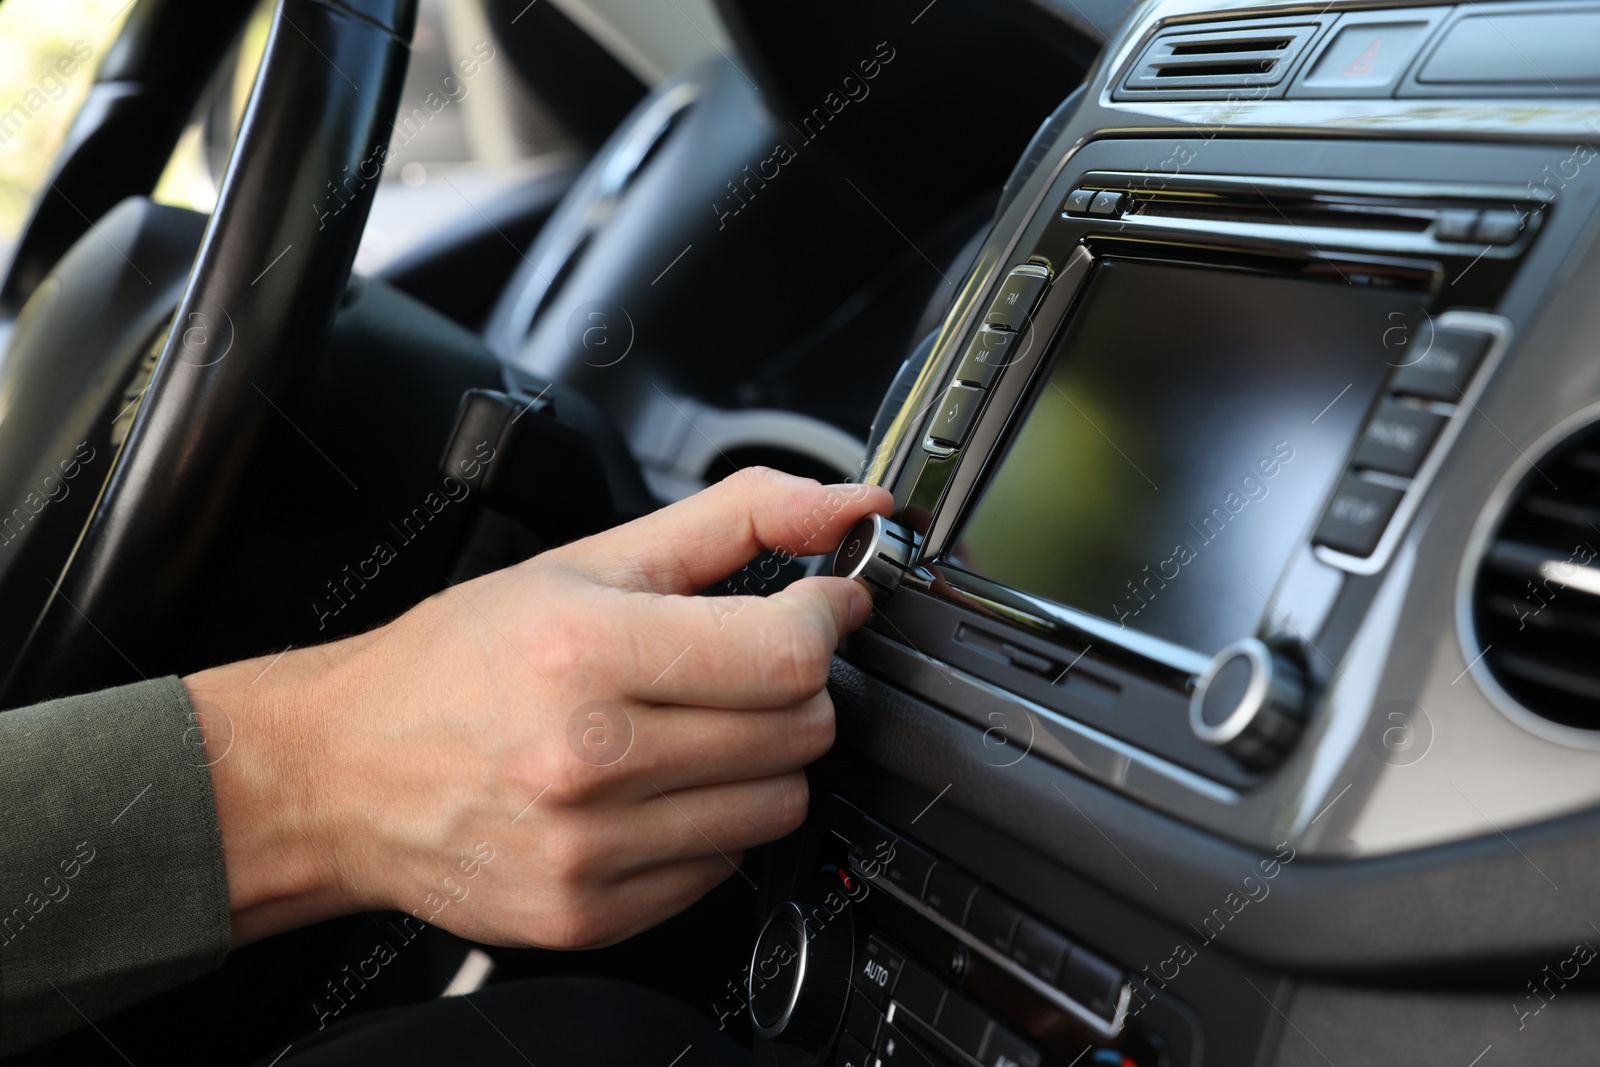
x=1197, y=62
x=1536, y=596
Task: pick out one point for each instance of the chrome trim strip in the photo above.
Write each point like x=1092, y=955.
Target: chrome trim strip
x=1054, y=618
x=1330, y=242
x=1321, y=189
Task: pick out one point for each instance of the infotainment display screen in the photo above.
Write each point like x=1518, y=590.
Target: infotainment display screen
x=1188, y=432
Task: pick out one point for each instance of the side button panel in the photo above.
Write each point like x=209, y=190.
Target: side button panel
x=918, y=993
x=862, y=1021
x=963, y=1024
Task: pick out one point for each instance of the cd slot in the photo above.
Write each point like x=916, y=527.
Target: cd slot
x=1276, y=211
x=1385, y=216
x=1054, y=667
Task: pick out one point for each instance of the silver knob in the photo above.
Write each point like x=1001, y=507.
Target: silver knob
x=1250, y=702
x=878, y=551
x=799, y=981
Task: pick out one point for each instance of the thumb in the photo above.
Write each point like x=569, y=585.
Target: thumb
x=835, y=606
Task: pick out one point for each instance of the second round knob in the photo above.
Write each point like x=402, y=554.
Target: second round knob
x=1250, y=702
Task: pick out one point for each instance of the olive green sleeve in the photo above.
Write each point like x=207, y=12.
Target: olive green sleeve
x=112, y=885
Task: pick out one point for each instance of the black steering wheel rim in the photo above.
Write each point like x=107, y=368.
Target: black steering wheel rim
x=272, y=269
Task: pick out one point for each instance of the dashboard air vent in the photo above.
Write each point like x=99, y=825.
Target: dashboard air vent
x=1536, y=596
x=1188, y=62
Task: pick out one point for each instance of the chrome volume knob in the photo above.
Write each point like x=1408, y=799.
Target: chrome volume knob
x=877, y=551
x=1250, y=702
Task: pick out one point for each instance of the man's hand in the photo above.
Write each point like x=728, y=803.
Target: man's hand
x=559, y=754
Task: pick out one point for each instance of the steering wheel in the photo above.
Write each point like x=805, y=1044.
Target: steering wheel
x=99, y=546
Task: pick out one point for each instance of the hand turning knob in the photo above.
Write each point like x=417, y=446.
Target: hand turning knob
x=878, y=551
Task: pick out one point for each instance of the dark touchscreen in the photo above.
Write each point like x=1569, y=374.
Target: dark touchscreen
x=1182, y=445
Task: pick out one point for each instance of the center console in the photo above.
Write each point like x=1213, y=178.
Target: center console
x=1194, y=404
x=1192, y=490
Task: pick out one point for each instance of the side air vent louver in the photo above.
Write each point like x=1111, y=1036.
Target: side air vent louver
x=1535, y=599
x=1194, y=63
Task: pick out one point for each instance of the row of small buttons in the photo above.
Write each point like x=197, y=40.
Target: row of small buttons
x=878, y=854
x=1479, y=227
x=992, y=348
x=926, y=1015
x=1095, y=203
x=1398, y=438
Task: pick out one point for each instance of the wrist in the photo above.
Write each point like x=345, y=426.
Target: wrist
x=262, y=723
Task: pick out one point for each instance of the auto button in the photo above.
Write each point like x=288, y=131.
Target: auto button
x=876, y=973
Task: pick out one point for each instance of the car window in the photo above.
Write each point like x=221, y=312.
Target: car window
x=463, y=105
x=467, y=125
x=49, y=50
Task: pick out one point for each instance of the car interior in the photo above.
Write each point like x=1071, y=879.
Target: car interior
x=1231, y=695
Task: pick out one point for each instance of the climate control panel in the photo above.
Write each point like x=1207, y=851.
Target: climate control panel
x=891, y=955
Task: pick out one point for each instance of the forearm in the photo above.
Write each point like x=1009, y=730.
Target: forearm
x=269, y=724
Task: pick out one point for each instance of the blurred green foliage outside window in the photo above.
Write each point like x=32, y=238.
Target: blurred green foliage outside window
x=49, y=52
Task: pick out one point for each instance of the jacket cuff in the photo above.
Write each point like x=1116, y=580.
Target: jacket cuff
x=112, y=884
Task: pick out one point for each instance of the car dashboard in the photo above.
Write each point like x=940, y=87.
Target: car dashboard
x=1230, y=696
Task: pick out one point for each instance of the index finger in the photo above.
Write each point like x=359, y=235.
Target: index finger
x=687, y=546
